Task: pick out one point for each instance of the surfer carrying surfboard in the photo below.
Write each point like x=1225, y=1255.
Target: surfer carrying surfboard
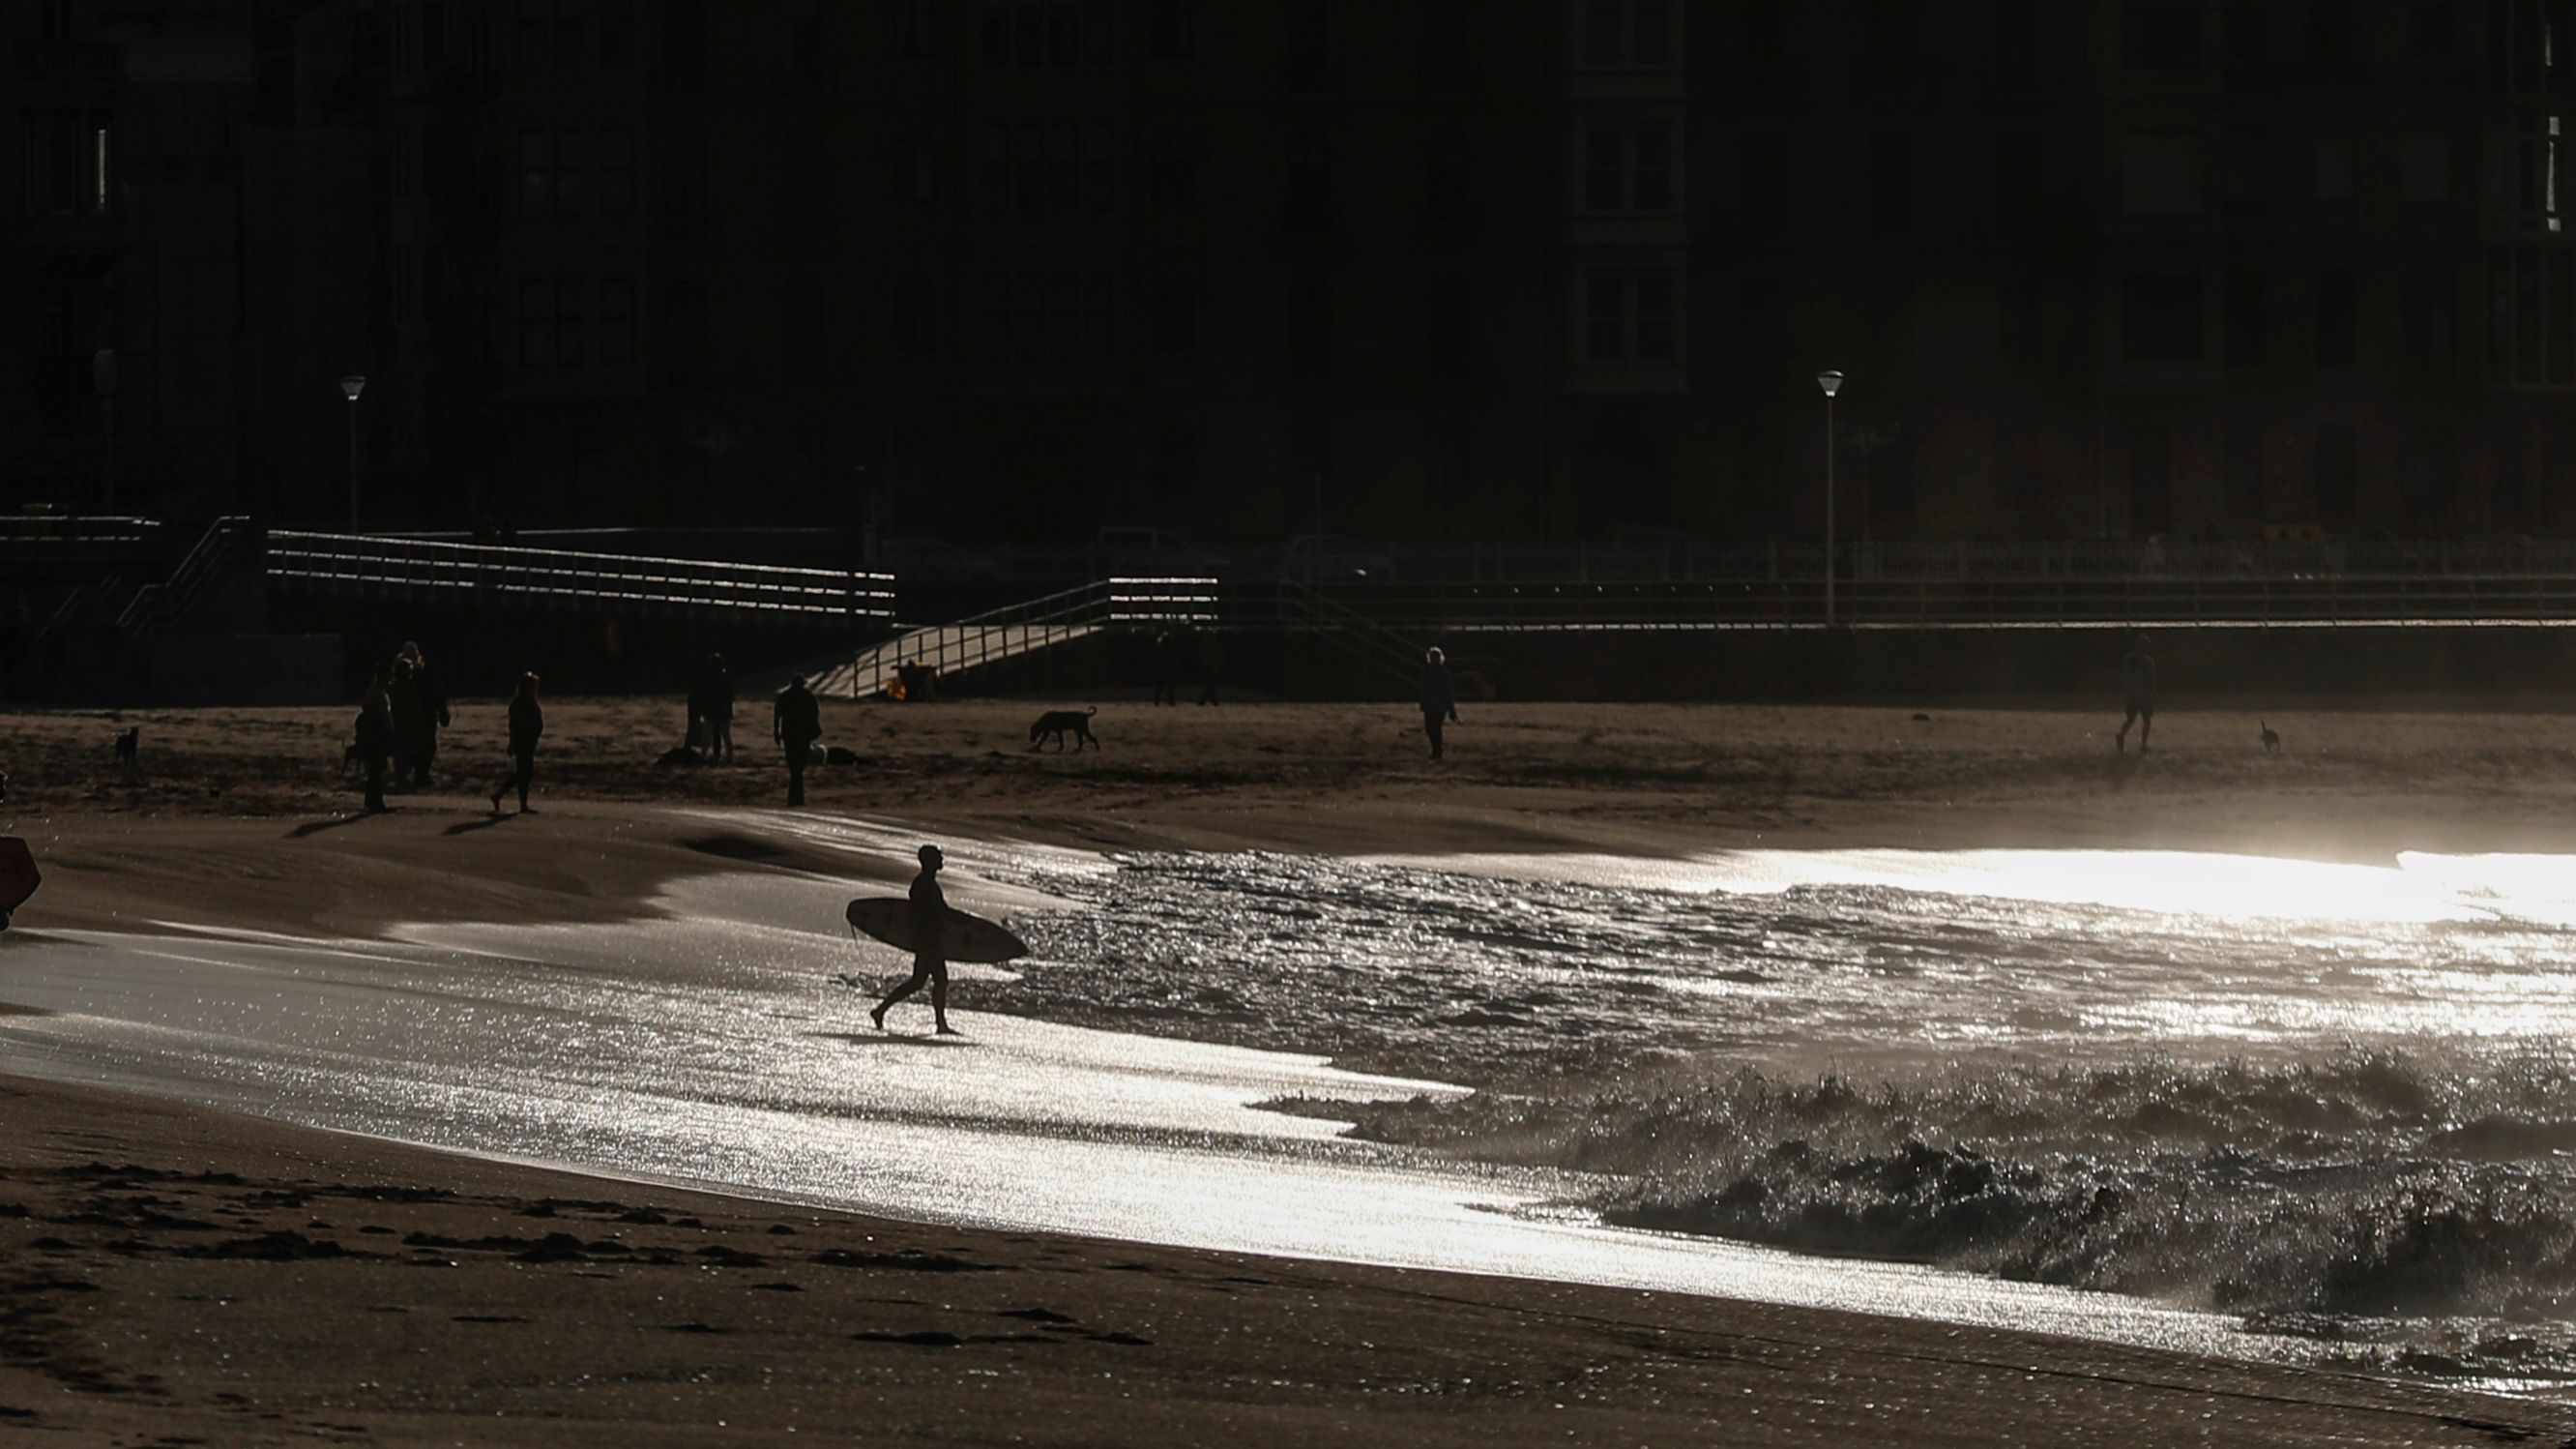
x=929, y=945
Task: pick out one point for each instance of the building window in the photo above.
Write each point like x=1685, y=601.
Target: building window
x=536, y=322
x=616, y=33
x=572, y=176
x=916, y=319
x=1173, y=169
x=1045, y=317
x=617, y=320
x=2330, y=31
x=2338, y=317
x=568, y=323
x=1627, y=34
x=1628, y=167
x=1045, y=34
x=2333, y=174
x=1174, y=324
x=68, y=165
x=1448, y=181
x=2161, y=176
x=801, y=40
x=1891, y=180
x=2431, y=31
x=536, y=173
x=550, y=34
x=2160, y=319
x=2531, y=319
x=2534, y=161
x=912, y=32
x=1450, y=63
x=1037, y=168
x=2248, y=321
x=1306, y=193
x=2423, y=168
x=685, y=342
x=1306, y=47
x=1173, y=32
x=2160, y=35
x=916, y=169
x=1631, y=313
x=616, y=172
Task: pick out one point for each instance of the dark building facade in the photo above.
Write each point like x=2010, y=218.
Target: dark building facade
x=1416, y=268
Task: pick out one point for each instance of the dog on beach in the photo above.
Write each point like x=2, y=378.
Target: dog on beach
x=1060, y=722
x=839, y=755
x=2271, y=738
x=127, y=743
x=349, y=759
x=677, y=755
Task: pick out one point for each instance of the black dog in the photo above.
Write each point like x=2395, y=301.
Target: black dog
x=2271, y=738
x=677, y=755
x=127, y=743
x=837, y=755
x=349, y=757
x=1057, y=721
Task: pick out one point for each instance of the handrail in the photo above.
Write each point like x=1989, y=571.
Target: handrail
x=1018, y=629
x=155, y=605
x=508, y=572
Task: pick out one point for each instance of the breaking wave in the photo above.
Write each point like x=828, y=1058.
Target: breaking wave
x=2356, y=1127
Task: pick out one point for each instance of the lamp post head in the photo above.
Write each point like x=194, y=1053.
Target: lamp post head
x=354, y=385
x=1831, y=382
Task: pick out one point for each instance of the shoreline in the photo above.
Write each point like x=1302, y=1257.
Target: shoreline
x=601, y=859
x=185, y=1270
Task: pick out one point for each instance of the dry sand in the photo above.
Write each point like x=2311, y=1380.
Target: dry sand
x=176, y=1273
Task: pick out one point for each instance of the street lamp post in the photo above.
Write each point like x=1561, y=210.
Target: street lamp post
x=1831, y=382
x=353, y=385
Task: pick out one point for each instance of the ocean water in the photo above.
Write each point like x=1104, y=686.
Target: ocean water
x=2332, y=1100
x=2231, y=1104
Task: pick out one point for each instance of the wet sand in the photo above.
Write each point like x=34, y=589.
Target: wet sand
x=143, y=1296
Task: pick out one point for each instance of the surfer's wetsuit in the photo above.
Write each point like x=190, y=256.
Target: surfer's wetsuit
x=929, y=951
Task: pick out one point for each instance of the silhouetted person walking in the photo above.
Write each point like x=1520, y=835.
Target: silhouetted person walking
x=527, y=724
x=430, y=715
x=1439, y=701
x=714, y=696
x=403, y=691
x=1211, y=664
x=376, y=735
x=929, y=945
x=2137, y=694
x=798, y=723
x=1167, y=669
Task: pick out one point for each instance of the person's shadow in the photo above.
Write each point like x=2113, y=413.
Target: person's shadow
x=467, y=827
x=316, y=827
x=889, y=1039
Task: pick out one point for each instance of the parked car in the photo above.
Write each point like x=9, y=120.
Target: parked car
x=1326, y=558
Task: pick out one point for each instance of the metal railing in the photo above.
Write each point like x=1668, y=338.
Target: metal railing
x=156, y=606
x=1016, y=630
x=499, y=573
x=1432, y=609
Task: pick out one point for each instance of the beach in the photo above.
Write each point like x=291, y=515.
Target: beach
x=192, y=1272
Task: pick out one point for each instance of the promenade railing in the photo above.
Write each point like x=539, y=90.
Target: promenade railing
x=503, y=574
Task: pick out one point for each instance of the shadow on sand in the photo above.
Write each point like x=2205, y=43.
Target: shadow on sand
x=890, y=1038
x=467, y=827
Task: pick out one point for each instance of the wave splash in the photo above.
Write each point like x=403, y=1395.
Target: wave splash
x=2427, y=1209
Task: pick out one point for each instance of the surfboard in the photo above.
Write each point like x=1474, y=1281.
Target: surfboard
x=18, y=874
x=970, y=937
